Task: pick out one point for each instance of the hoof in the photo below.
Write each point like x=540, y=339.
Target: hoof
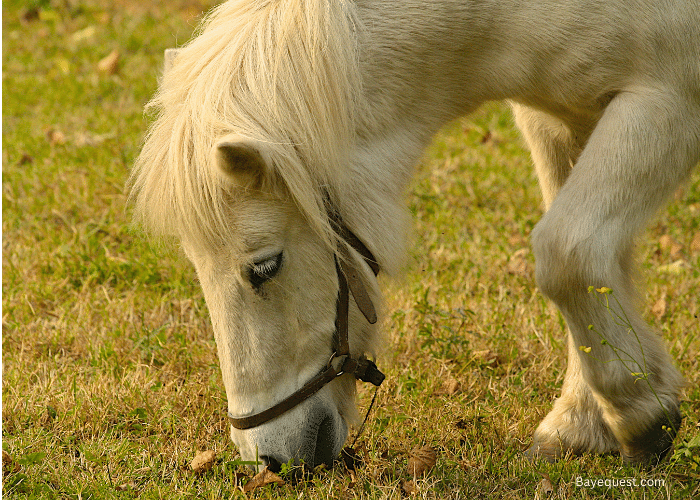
x=545, y=451
x=654, y=444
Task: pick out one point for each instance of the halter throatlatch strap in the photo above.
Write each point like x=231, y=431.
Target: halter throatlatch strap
x=350, y=279
x=357, y=285
x=363, y=368
x=353, y=241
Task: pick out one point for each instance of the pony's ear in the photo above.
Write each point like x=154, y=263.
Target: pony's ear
x=169, y=59
x=241, y=160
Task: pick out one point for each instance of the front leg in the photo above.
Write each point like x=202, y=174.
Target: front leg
x=575, y=425
x=643, y=147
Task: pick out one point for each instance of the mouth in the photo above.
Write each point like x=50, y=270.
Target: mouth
x=322, y=453
x=323, y=441
x=313, y=438
x=271, y=463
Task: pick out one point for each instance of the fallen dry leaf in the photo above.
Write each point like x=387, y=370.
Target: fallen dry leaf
x=659, y=308
x=29, y=15
x=8, y=465
x=110, y=63
x=666, y=242
x=517, y=240
x=262, y=478
x=518, y=263
x=55, y=136
x=546, y=488
x=84, y=34
x=451, y=386
x=676, y=267
x=487, y=357
x=467, y=465
x=353, y=479
x=409, y=487
x=421, y=460
x=695, y=243
x=90, y=139
x=203, y=461
x=25, y=159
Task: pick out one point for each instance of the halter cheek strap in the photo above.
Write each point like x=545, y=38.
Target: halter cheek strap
x=350, y=280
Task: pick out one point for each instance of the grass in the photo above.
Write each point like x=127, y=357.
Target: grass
x=110, y=379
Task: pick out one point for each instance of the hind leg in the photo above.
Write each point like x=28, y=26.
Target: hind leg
x=576, y=423
x=554, y=147
x=643, y=147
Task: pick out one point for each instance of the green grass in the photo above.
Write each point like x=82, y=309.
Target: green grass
x=110, y=379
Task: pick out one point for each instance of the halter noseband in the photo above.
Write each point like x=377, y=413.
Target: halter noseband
x=341, y=362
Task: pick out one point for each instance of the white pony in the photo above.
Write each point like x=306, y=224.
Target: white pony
x=281, y=112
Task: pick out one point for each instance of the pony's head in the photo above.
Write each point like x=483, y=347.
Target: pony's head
x=245, y=164
x=272, y=288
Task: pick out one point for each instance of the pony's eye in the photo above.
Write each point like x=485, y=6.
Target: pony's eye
x=264, y=270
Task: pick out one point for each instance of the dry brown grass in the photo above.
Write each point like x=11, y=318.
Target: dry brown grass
x=110, y=379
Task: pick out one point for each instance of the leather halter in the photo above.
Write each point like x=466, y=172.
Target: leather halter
x=341, y=362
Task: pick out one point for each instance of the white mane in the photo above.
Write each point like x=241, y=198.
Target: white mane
x=284, y=72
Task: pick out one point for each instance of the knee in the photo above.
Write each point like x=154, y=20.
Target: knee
x=567, y=261
x=556, y=264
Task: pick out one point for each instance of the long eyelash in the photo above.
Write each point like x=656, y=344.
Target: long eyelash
x=263, y=271
x=266, y=266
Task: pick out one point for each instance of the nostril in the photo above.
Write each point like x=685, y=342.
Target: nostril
x=325, y=442
x=271, y=463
